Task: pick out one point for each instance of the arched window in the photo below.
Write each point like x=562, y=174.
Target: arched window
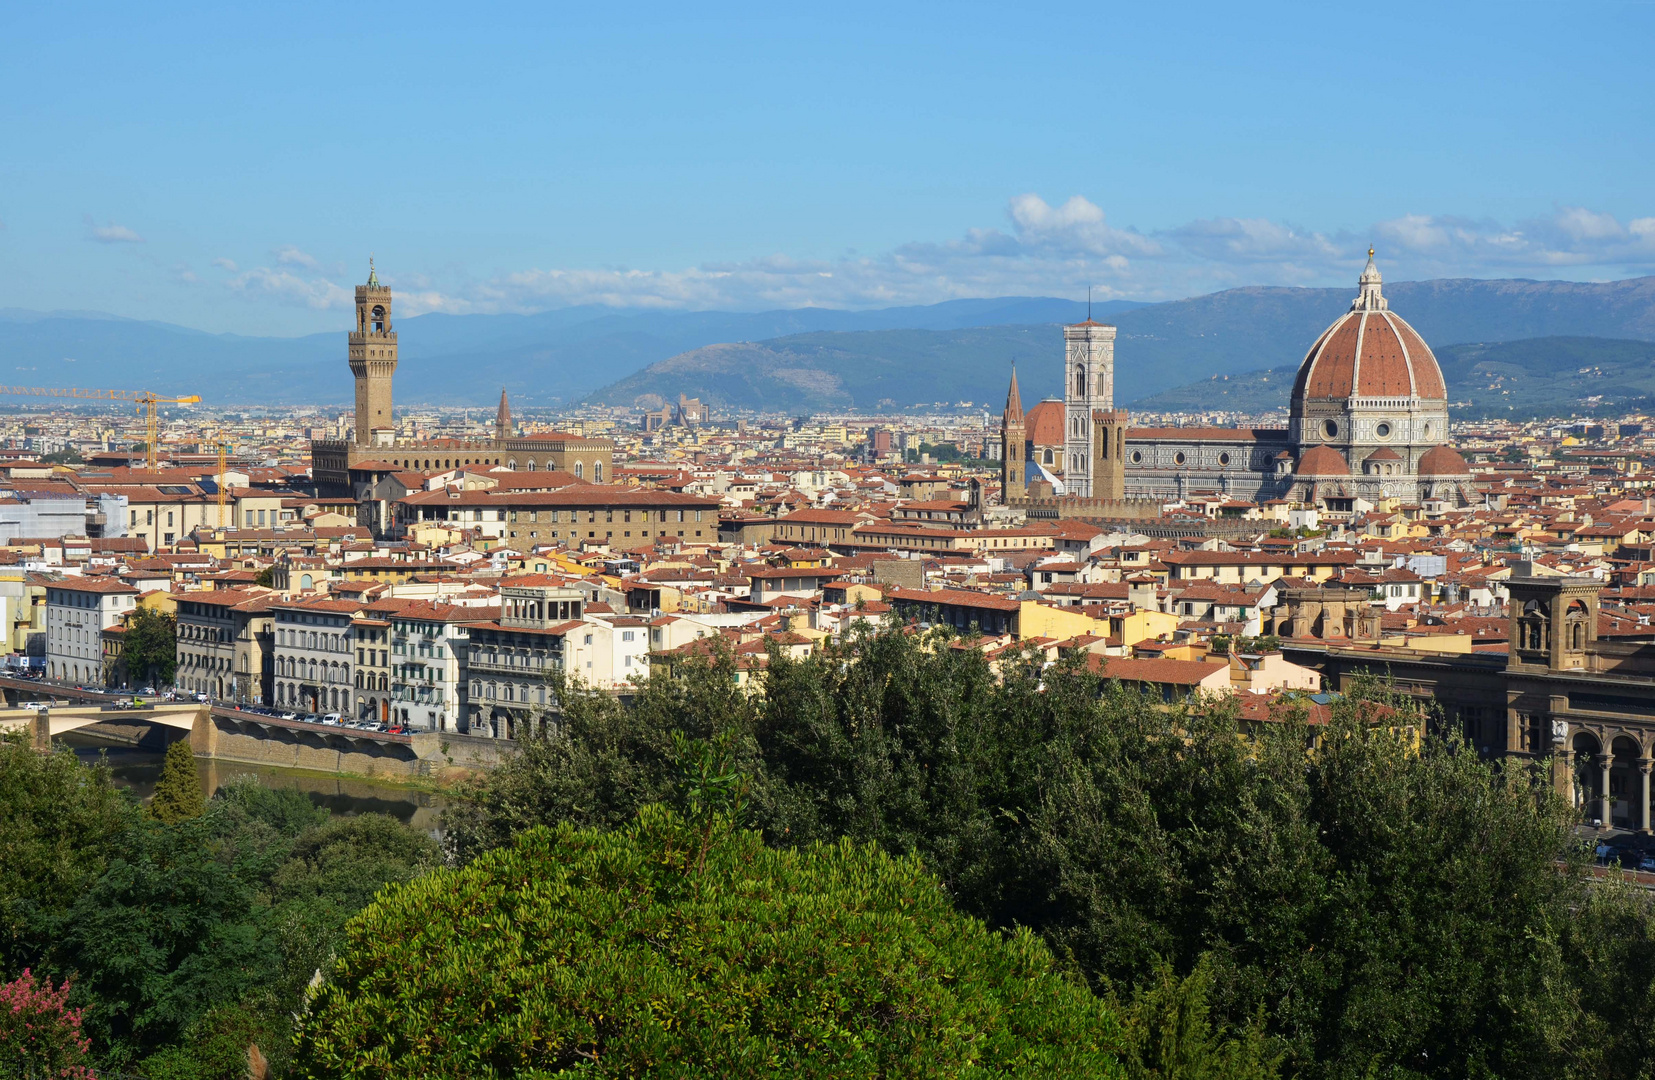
x=580, y=470
x=1080, y=381
x=597, y=472
x=531, y=464
x=379, y=319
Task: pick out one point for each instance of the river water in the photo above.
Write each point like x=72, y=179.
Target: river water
x=137, y=769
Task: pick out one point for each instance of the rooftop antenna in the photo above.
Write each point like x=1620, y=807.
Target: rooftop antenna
x=1088, y=303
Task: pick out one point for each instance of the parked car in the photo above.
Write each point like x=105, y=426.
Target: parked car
x=324, y=720
x=288, y=716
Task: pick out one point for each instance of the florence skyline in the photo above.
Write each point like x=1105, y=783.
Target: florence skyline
x=743, y=160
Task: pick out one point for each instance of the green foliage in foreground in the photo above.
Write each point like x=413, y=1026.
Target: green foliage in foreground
x=665, y=949
x=1384, y=906
x=182, y=942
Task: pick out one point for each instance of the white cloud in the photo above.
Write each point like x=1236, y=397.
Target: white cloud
x=1041, y=248
x=287, y=288
x=289, y=255
x=110, y=233
x=226, y=264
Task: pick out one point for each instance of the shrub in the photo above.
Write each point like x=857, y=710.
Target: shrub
x=40, y=1035
x=659, y=949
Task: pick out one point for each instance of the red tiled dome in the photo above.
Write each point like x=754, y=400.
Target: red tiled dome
x=1369, y=352
x=1384, y=453
x=1322, y=461
x=1043, y=424
x=1443, y=461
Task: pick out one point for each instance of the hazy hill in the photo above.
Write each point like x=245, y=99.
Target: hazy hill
x=1160, y=346
x=801, y=359
x=549, y=358
x=1516, y=379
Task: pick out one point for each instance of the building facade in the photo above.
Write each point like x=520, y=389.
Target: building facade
x=78, y=611
x=225, y=644
x=511, y=661
x=313, y=653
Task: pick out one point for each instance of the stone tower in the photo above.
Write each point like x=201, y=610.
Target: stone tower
x=502, y=418
x=1109, y=454
x=1012, y=445
x=373, y=358
x=1088, y=387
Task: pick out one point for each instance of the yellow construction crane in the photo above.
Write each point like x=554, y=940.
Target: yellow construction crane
x=146, y=404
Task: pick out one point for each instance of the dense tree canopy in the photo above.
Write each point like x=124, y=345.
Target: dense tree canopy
x=1383, y=901
x=667, y=949
x=182, y=942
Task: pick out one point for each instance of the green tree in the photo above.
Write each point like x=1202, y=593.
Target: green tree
x=1337, y=880
x=178, y=791
x=1170, y=1034
x=640, y=951
x=188, y=941
x=150, y=646
x=60, y=822
x=266, y=577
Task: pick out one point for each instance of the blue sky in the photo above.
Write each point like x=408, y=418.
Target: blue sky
x=231, y=167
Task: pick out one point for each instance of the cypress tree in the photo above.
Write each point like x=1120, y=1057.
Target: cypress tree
x=177, y=793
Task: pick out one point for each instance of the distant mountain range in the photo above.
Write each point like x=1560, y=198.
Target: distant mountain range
x=798, y=360
x=549, y=359
x=1160, y=346
x=1518, y=380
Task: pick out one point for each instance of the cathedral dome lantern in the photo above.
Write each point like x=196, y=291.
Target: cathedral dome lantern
x=1368, y=352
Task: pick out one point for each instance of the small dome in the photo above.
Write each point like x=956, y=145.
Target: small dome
x=1384, y=453
x=1043, y=425
x=1285, y=455
x=1443, y=461
x=1322, y=461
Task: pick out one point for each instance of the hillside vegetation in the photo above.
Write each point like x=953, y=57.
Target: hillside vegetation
x=794, y=359
x=1158, y=347
x=1515, y=379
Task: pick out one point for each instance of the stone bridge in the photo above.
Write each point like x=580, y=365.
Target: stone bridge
x=225, y=733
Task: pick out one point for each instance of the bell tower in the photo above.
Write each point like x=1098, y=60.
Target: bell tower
x=373, y=359
x=1089, y=386
x=1012, y=446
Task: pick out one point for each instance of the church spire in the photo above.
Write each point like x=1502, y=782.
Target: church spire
x=1370, y=298
x=502, y=418
x=1014, y=401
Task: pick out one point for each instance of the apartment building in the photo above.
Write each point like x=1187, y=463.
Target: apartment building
x=511, y=660
x=314, y=654
x=225, y=644
x=78, y=611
